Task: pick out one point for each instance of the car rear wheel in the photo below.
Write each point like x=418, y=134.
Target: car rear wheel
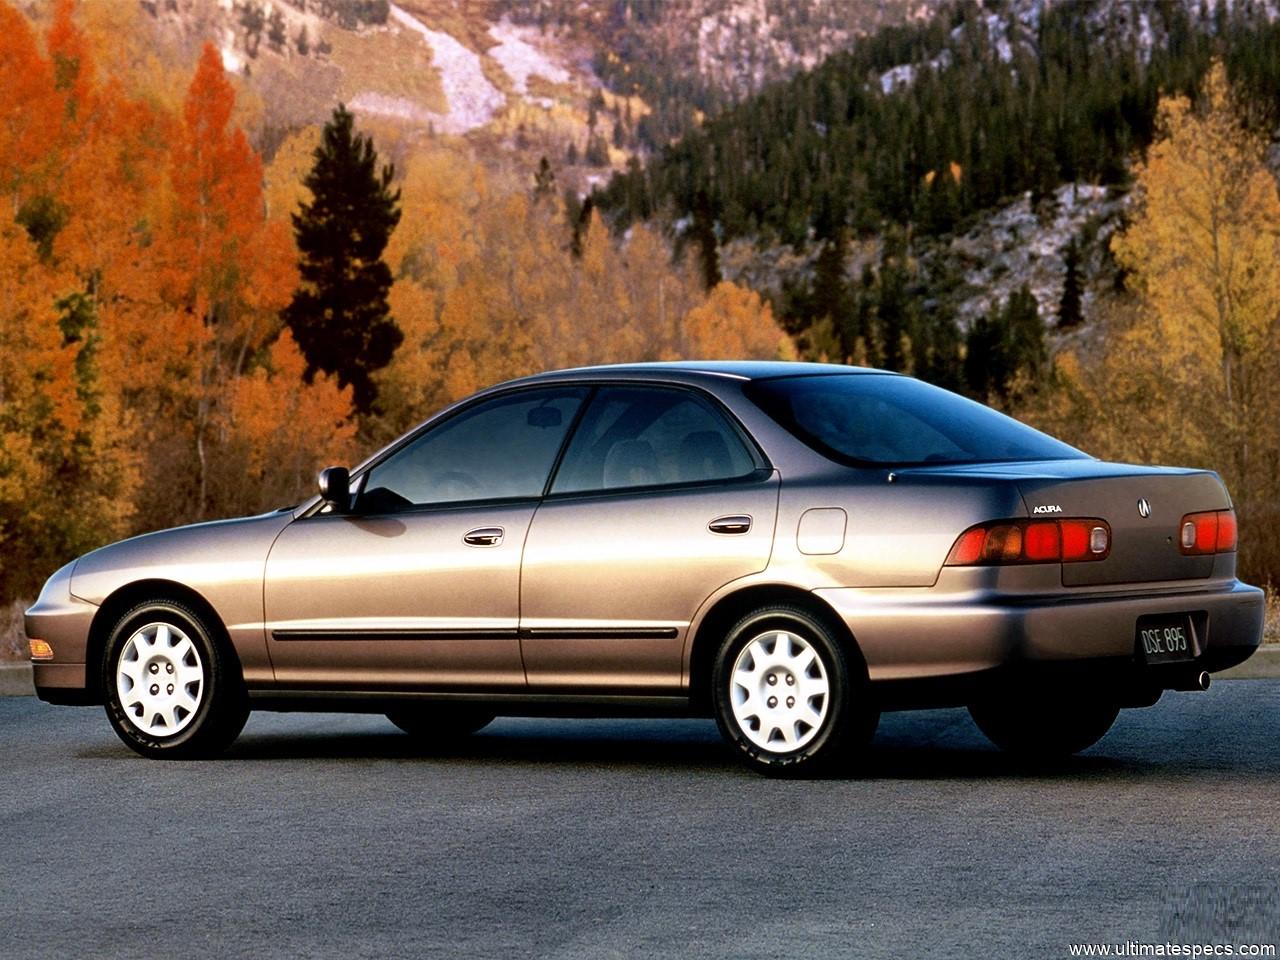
x=172, y=690
x=788, y=696
x=1037, y=722
x=440, y=723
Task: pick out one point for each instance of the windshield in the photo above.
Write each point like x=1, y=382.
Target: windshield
x=885, y=420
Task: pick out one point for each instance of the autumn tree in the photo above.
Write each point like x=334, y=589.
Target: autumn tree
x=143, y=377
x=491, y=284
x=63, y=437
x=1203, y=254
x=56, y=445
x=1189, y=373
x=731, y=324
x=197, y=312
x=339, y=315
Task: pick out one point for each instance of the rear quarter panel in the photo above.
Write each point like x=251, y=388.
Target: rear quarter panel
x=897, y=533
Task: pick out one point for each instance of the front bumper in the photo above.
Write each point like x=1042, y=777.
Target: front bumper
x=920, y=634
x=64, y=621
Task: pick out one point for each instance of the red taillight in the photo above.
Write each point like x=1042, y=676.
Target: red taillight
x=1043, y=542
x=1031, y=541
x=1202, y=534
x=968, y=548
x=1226, y=531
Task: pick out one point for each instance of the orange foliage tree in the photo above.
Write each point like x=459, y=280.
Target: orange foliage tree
x=143, y=378
x=63, y=438
x=197, y=311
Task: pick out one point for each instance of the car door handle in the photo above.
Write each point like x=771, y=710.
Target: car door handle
x=738, y=523
x=483, y=536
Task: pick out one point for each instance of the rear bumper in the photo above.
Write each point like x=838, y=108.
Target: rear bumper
x=910, y=635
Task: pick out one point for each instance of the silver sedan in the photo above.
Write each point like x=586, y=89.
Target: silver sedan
x=791, y=548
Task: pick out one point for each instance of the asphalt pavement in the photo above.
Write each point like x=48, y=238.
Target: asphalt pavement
x=337, y=836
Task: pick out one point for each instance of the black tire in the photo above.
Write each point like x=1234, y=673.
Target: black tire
x=223, y=705
x=440, y=723
x=848, y=717
x=1043, y=723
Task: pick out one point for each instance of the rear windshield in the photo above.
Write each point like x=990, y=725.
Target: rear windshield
x=885, y=420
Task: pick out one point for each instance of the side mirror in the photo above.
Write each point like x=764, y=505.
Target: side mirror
x=335, y=487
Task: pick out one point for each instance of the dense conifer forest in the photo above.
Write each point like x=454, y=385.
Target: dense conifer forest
x=831, y=148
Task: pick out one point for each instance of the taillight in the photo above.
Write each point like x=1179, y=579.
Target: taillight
x=1031, y=541
x=1202, y=534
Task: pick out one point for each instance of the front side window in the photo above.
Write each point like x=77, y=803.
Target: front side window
x=868, y=419
x=502, y=448
x=651, y=436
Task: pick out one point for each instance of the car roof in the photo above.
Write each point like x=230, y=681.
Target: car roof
x=733, y=369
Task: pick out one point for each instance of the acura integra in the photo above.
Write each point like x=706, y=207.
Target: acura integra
x=791, y=548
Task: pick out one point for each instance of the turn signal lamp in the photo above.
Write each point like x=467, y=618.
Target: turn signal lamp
x=1031, y=541
x=40, y=650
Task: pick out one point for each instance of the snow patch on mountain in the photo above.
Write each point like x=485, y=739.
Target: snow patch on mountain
x=520, y=59
x=1020, y=244
x=232, y=62
x=904, y=74
x=472, y=99
x=399, y=108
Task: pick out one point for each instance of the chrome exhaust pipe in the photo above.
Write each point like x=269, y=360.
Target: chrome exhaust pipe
x=1194, y=682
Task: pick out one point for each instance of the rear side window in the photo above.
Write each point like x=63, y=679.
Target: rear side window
x=650, y=436
x=884, y=420
x=502, y=448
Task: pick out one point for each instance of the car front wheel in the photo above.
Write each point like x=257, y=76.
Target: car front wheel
x=788, y=696
x=172, y=691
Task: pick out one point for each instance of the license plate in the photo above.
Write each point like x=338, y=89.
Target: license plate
x=1167, y=638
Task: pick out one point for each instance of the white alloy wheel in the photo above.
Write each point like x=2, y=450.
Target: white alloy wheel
x=159, y=679
x=779, y=691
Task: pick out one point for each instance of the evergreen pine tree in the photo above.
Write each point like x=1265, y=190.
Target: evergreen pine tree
x=985, y=370
x=544, y=179
x=252, y=19
x=703, y=233
x=339, y=315
x=830, y=294
x=580, y=225
x=1024, y=334
x=1006, y=347
x=276, y=35
x=597, y=151
x=1070, y=312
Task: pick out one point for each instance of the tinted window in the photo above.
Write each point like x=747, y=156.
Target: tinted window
x=880, y=419
x=642, y=437
x=501, y=448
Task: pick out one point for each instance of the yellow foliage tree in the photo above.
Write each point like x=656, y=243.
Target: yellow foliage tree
x=732, y=323
x=488, y=287
x=1190, y=369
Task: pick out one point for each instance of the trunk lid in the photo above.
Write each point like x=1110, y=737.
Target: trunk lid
x=1144, y=549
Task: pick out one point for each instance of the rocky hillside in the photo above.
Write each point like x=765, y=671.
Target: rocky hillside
x=520, y=79
x=600, y=87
